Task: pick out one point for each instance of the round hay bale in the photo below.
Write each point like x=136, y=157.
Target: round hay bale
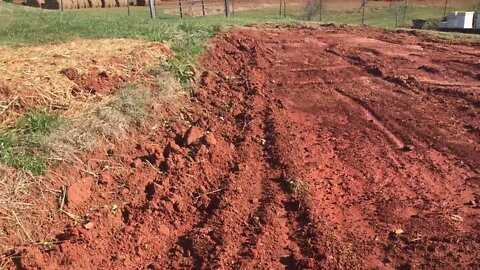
x=32, y=3
x=68, y=4
x=121, y=3
x=108, y=3
x=83, y=4
x=141, y=2
x=52, y=4
x=95, y=3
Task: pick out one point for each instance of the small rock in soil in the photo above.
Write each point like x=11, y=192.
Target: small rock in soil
x=178, y=206
x=172, y=147
x=192, y=135
x=106, y=178
x=137, y=163
x=89, y=226
x=210, y=139
x=203, y=202
x=154, y=266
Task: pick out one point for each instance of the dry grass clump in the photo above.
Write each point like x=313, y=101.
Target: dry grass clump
x=110, y=118
x=31, y=76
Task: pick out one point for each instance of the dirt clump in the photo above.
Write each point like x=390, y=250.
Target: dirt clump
x=94, y=82
x=79, y=192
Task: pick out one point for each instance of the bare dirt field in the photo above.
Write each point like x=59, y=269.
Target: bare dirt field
x=309, y=148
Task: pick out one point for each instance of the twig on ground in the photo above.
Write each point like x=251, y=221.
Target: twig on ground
x=153, y=167
x=207, y=193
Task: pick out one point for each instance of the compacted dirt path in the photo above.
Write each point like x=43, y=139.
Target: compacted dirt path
x=310, y=148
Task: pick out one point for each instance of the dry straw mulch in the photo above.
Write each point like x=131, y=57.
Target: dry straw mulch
x=32, y=76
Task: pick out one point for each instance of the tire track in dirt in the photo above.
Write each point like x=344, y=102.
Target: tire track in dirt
x=372, y=118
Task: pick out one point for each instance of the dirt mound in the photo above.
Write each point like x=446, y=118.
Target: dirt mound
x=66, y=76
x=297, y=151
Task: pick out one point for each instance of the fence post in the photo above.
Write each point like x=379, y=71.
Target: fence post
x=233, y=7
x=321, y=9
x=226, y=8
x=152, y=9
x=284, y=8
x=445, y=9
x=128, y=7
x=180, y=7
x=404, y=13
x=61, y=5
x=363, y=11
x=203, y=7
x=280, y=10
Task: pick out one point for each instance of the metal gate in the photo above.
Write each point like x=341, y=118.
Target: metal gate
x=191, y=8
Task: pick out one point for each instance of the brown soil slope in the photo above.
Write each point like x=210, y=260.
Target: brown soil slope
x=327, y=148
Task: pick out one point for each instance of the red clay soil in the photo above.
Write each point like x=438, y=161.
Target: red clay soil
x=94, y=82
x=311, y=148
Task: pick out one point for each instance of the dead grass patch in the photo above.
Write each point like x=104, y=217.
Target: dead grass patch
x=110, y=118
x=32, y=76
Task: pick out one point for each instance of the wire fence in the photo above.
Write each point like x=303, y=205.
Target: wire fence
x=387, y=13
x=393, y=13
x=180, y=9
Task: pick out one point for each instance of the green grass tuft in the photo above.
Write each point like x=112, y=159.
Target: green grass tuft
x=21, y=146
x=298, y=187
x=38, y=122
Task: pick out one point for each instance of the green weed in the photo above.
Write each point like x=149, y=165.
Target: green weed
x=298, y=187
x=21, y=146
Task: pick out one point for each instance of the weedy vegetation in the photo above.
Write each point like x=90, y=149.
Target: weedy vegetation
x=298, y=187
x=21, y=146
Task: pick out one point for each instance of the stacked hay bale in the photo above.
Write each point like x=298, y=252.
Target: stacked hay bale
x=76, y=4
x=108, y=3
x=95, y=3
x=52, y=4
x=33, y=3
x=83, y=3
x=69, y=4
x=121, y=3
x=140, y=2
